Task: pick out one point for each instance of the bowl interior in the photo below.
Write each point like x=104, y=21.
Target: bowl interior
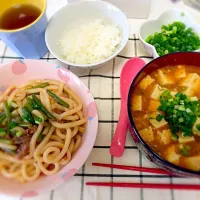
x=20, y=72
x=73, y=15
x=179, y=58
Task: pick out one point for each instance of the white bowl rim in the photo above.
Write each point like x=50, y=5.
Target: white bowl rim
x=98, y=63
x=154, y=52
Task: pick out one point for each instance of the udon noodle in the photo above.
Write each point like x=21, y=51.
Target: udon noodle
x=41, y=128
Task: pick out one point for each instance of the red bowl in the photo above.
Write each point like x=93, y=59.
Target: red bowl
x=179, y=58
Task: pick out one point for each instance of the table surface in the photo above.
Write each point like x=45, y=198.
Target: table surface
x=104, y=84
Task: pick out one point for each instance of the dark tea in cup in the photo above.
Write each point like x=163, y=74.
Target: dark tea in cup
x=19, y=16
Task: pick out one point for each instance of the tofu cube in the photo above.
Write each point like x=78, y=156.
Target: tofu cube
x=147, y=134
x=145, y=82
x=155, y=123
x=189, y=91
x=189, y=80
x=180, y=72
x=186, y=139
x=192, y=162
x=153, y=105
x=197, y=86
x=171, y=155
x=137, y=103
x=165, y=136
x=157, y=91
x=163, y=78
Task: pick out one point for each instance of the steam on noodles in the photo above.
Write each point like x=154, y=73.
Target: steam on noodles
x=41, y=127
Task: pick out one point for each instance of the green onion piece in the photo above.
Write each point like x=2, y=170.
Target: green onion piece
x=29, y=106
x=12, y=152
x=184, y=150
x=181, y=108
x=179, y=94
x=181, y=119
x=37, y=119
x=19, y=133
x=182, y=14
x=44, y=115
x=24, y=124
x=32, y=103
x=2, y=116
x=7, y=111
x=159, y=117
x=188, y=110
x=57, y=99
x=6, y=141
x=10, y=104
x=42, y=107
x=3, y=133
x=198, y=127
x=40, y=137
x=2, y=129
x=166, y=93
x=12, y=125
x=174, y=138
x=27, y=115
x=43, y=85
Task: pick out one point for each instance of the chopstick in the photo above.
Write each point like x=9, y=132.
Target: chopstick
x=141, y=185
x=145, y=185
x=133, y=168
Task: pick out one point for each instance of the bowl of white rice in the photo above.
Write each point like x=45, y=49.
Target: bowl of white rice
x=87, y=33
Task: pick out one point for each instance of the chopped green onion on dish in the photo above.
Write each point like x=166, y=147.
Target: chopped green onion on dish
x=174, y=37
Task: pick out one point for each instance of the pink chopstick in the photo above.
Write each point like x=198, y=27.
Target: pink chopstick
x=146, y=185
x=133, y=168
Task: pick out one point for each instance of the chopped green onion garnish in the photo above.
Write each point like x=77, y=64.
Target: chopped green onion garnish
x=184, y=150
x=181, y=108
x=174, y=37
x=181, y=119
x=180, y=112
x=159, y=117
x=198, y=127
x=188, y=110
x=174, y=137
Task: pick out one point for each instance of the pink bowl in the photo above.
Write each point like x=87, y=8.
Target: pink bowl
x=19, y=72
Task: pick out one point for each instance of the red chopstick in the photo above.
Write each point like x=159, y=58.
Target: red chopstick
x=133, y=168
x=146, y=185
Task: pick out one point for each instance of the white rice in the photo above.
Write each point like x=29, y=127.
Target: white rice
x=90, y=43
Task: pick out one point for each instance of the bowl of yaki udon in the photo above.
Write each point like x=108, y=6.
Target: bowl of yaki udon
x=164, y=112
x=48, y=126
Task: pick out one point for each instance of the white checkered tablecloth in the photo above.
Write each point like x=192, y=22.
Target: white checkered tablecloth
x=104, y=84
